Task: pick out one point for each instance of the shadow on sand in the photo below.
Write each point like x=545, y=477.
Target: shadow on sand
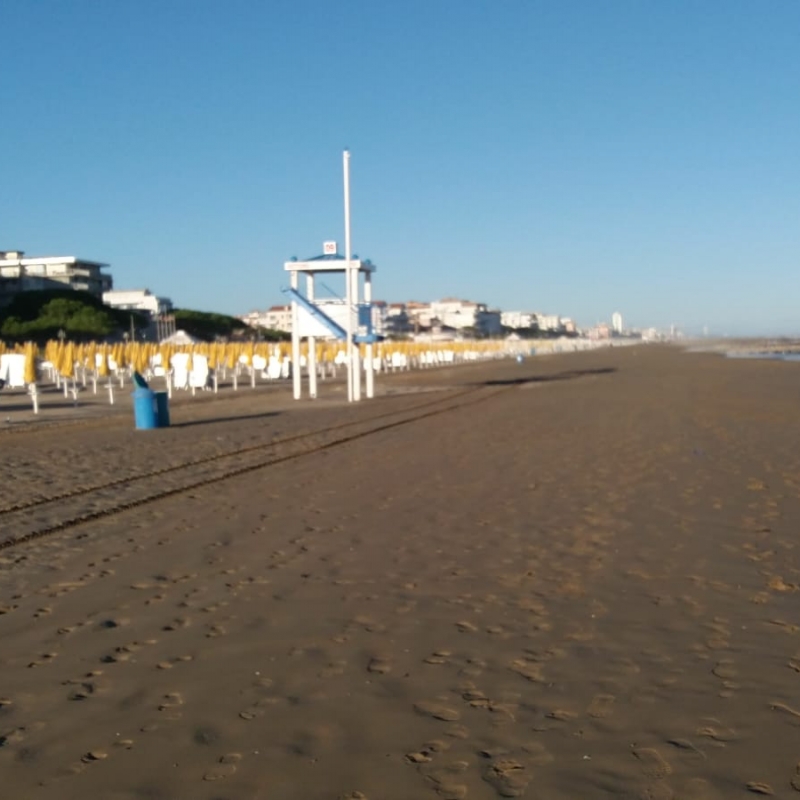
x=234, y=418
x=22, y=403
x=558, y=376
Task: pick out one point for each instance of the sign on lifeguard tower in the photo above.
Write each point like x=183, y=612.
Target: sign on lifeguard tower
x=347, y=319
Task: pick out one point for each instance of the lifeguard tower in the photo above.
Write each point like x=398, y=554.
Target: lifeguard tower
x=348, y=319
x=338, y=318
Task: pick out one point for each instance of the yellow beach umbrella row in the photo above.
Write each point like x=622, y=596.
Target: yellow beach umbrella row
x=93, y=356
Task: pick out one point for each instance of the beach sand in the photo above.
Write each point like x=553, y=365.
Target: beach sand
x=584, y=584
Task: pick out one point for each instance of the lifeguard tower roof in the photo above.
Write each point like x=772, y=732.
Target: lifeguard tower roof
x=330, y=262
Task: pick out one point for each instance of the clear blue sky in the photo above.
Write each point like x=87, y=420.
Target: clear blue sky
x=569, y=156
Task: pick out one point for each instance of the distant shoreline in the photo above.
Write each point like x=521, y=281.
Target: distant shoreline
x=777, y=349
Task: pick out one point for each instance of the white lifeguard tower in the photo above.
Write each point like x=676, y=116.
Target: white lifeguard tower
x=348, y=319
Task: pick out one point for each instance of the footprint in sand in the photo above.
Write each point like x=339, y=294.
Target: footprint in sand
x=466, y=627
x=756, y=787
x=177, y=624
x=687, y=746
x=124, y=744
x=83, y=688
x=782, y=625
x=446, y=779
x=258, y=709
x=601, y=706
x=508, y=777
x=437, y=711
x=653, y=764
x=457, y=732
x=94, y=755
x=501, y=712
x=716, y=731
x=537, y=753
x=215, y=631
x=438, y=657
x=531, y=670
x=170, y=704
x=379, y=665
x=224, y=768
x=156, y=598
x=13, y=736
x=173, y=661
x=561, y=715
x=791, y=714
x=475, y=697
x=725, y=670
x=370, y=625
x=45, y=658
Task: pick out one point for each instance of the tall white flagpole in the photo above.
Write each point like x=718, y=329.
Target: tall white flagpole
x=348, y=275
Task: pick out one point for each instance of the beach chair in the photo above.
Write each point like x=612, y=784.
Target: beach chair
x=198, y=377
x=12, y=370
x=274, y=368
x=180, y=372
x=12, y=376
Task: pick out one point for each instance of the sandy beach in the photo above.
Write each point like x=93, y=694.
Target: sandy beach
x=575, y=577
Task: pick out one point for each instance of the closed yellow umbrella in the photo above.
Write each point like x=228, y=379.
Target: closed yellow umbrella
x=30, y=363
x=102, y=367
x=213, y=356
x=116, y=355
x=140, y=357
x=90, y=356
x=67, y=364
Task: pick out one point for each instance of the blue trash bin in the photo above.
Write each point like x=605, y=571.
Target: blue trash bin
x=145, y=410
x=162, y=409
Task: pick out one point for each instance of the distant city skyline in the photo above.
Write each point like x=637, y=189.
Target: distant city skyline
x=579, y=158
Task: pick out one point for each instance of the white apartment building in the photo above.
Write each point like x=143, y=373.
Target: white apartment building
x=518, y=319
x=137, y=300
x=616, y=322
x=20, y=274
x=277, y=318
x=420, y=315
x=549, y=322
x=460, y=314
